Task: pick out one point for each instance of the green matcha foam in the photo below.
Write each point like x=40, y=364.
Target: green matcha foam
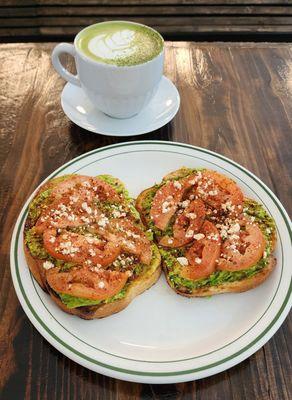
x=120, y=43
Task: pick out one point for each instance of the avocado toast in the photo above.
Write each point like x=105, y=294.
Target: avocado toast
x=211, y=238
x=86, y=246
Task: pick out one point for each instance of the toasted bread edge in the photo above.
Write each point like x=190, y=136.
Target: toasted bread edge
x=229, y=287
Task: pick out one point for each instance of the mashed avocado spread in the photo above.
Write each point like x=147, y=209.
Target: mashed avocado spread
x=73, y=302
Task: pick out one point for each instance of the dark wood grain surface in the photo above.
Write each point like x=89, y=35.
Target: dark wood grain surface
x=236, y=99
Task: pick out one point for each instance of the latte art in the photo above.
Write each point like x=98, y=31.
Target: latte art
x=113, y=45
x=120, y=43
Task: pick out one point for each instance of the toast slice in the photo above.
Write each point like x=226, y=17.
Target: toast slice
x=86, y=246
x=237, y=277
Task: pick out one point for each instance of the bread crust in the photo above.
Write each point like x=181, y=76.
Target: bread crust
x=139, y=204
x=228, y=287
x=138, y=286
x=104, y=310
x=35, y=266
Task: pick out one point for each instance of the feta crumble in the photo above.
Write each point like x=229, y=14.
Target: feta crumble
x=48, y=265
x=183, y=261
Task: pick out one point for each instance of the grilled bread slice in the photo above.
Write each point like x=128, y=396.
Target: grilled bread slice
x=211, y=238
x=86, y=246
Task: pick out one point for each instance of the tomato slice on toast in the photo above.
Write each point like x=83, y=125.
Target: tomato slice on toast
x=129, y=236
x=203, y=254
x=80, y=184
x=244, y=249
x=219, y=192
x=188, y=222
x=85, y=283
x=73, y=247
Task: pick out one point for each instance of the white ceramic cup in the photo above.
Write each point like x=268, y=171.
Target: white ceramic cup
x=119, y=91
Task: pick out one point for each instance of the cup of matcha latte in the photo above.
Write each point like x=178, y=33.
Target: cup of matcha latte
x=119, y=65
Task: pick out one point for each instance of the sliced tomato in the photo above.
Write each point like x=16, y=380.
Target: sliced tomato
x=76, y=203
x=244, y=251
x=68, y=211
x=167, y=198
x=68, y=185
x=85, y=283
x=130, y=237
x=78, y=184
x=72, y=247
x=186, y=225
x=203, y=254
x=219, y=192
x=165, y=203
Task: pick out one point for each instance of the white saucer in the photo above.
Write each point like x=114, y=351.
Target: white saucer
x=161, y=109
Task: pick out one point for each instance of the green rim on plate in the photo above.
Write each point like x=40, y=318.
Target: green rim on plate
x=143, y=373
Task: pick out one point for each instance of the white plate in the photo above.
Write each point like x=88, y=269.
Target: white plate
x=162, y=337
x=160, y=110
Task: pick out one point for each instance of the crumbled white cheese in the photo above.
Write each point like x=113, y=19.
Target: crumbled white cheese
x=166, y=207
x=92, y=252
x=191, y=215
x=48, y=265
x=213, y=236
x=101, y=284
x=62, y=207
x=86, y=207
x=189, y=233
x=198, y=260
x=199, y=236
x=103, y=222
x=183, y=261
x=234, y=228
x=185, y=203
x=177, y=184
x=117, y=214
x=228, y=206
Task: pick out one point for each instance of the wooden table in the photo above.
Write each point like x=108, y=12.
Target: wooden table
x=236, y=99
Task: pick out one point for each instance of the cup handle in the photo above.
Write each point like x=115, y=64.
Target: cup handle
x=58, y=50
